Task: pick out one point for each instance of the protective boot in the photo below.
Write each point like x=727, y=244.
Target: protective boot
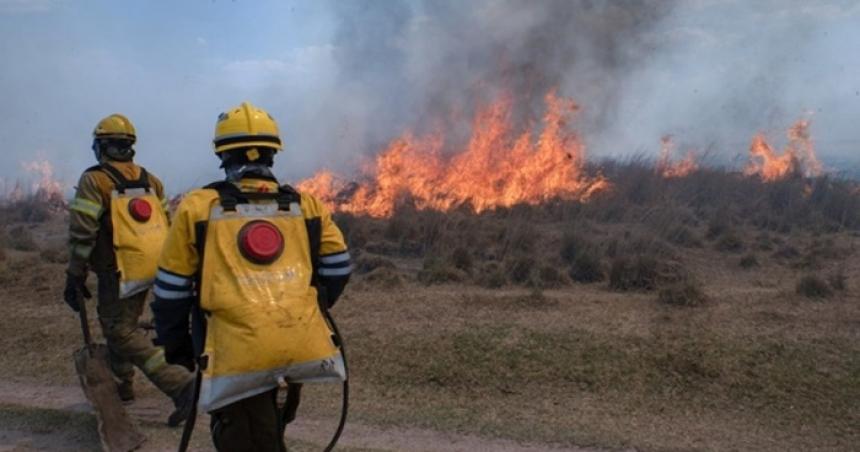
x=125, y=389
x=183, y=403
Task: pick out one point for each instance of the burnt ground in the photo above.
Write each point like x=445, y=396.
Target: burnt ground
x=750, y=346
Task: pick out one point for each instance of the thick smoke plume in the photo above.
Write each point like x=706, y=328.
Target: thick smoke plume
x=711, y=73
x=408, y=66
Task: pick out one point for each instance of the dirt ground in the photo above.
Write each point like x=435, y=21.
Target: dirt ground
x=460, y=367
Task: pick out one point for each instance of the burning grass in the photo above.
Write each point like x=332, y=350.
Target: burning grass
x=638, y=236
x=499, y=166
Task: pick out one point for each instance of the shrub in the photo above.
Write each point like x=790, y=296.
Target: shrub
x=730, y=242
x=718, y=226
x=385, y=277
x=786, y=252
x=633, y=273
x=520, y=269
x=838, y=281
x=384, y=248
x=587, y=268
x=763, y=242
x=548, y=276
x=22, y=239
x=571, y=245
x=812, y=286
x=683, y=293
x=492, y=276
x=683, y=236
x=749, y=261
x=436, y=271
x=462, y=259
x=367, y=264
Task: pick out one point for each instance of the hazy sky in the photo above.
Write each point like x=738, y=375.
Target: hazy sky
x=710, y=72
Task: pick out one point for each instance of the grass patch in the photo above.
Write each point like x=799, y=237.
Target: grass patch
x=683, y=293
x=809, y=384
x=70, y=430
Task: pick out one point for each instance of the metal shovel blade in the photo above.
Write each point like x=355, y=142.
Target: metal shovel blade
x=116, y=430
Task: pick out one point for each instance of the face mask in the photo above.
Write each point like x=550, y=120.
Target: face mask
x=235, y=173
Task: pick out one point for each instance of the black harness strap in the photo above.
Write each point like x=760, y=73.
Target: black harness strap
x=122, y=183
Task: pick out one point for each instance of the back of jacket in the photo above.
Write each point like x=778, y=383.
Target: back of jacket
x=90, y=231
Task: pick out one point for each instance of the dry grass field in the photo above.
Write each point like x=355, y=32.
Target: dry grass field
x=713, y=312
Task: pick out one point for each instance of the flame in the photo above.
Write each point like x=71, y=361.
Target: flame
x=669, y=169
x=498, y=167
x=798, y=157
x=46, y=188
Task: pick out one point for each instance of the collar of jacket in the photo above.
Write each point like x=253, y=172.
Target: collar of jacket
x=261, y=185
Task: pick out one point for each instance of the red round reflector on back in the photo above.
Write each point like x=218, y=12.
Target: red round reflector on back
x=140, y=209
x=261, y=242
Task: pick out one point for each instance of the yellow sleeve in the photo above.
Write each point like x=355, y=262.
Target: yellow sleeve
x=332, y=241
x=85, y=212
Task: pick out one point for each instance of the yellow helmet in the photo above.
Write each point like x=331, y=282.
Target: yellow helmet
x=115, y=126
x=246, y=126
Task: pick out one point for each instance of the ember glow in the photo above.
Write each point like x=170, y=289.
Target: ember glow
x=670, y=169
x=798, y=157
x=498, y=167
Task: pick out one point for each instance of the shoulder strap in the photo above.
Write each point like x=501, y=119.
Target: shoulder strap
x=121, y=182
x=314, y=227
x=230, y=196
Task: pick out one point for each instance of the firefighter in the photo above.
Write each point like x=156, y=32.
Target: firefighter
x=253, y=264
x=117, y=224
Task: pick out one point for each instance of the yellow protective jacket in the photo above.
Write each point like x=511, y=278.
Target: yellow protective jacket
x=262, y=321
x=90, y=229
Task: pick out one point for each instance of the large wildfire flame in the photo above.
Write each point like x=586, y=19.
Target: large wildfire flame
x=798, y=157
x=669, y=169
x=498, y=167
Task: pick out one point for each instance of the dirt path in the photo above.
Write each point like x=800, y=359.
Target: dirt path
x=38, y=417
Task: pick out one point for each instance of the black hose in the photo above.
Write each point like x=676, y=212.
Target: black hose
x=188, y=428
x=345, y=403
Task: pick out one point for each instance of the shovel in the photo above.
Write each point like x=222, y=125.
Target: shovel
x=116, y=431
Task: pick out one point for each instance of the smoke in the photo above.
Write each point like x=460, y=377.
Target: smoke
x=711, y=73
x=420, y=66
x=345, y=78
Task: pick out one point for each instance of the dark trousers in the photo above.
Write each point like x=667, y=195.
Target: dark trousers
x=251, y=424
x=129, y=345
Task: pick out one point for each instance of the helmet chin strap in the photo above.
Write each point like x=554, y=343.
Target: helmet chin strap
x=235, y=173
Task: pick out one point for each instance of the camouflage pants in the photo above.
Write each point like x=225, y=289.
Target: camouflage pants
x=128, y=344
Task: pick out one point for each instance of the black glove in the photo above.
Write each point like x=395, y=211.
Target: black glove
x=75, y=286
x=180, y=352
